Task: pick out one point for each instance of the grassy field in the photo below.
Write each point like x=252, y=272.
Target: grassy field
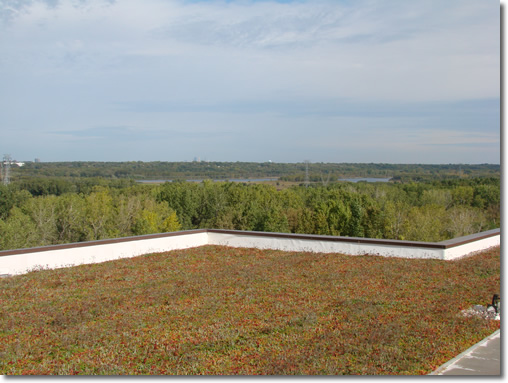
x=219, y=310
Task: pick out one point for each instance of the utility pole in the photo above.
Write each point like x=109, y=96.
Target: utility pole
x=6, y=174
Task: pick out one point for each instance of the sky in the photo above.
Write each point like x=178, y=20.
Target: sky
x=382, y=81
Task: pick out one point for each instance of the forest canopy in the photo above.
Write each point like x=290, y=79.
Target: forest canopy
x=51, y=203
x=235, y=170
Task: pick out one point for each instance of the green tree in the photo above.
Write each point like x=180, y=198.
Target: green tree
x=6, y=201
x=425, y=223
x=274, y=221
x=395, y=217
x=170, y=223
x=184, y=199
x=154, y=218
x=437, y=197
x=43, y=213
x=462, y=195
x=17, y=231
x=128, y=209
x=464, y=220
x=71, y=220
x=99, y=215
x=355, y=228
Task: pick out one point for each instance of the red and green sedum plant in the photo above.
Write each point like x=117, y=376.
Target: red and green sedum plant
x=226, y=311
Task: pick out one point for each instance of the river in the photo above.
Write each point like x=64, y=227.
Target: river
x=201, y=180
x=368, y=179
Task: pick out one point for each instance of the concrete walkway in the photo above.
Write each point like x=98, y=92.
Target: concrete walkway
x=484, y=358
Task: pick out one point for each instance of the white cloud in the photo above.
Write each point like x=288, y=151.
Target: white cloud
x=84, y=64
x=409, y=50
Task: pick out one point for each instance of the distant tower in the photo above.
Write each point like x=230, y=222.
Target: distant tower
x=6, y=174
x=325, y=183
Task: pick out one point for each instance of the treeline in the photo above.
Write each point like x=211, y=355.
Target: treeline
x=39, y=213
x=103, y=212
x=418, y=211
x=295, y=172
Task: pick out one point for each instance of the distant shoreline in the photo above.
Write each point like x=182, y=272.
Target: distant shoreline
x=214, y=180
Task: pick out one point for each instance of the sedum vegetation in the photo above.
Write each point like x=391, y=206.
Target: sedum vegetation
x=217, y=310
x=45, y=211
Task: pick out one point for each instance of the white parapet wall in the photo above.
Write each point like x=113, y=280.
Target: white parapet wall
x=471, y=248
x=463, y=246
x=323, y=244
x=52, y=257
x=21, y=261
x=445, y=250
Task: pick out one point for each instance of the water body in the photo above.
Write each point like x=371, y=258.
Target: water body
x=365, y=179
x=201, y=180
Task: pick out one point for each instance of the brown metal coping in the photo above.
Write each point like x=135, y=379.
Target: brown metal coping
x=313, y=237
x=470, y=238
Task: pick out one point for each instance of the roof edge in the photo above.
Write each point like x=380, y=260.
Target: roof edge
x=449, y=243
x=311, y=237
x=100, y=242
x=330, y=238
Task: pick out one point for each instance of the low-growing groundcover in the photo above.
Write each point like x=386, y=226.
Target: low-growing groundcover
x=219, y=310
